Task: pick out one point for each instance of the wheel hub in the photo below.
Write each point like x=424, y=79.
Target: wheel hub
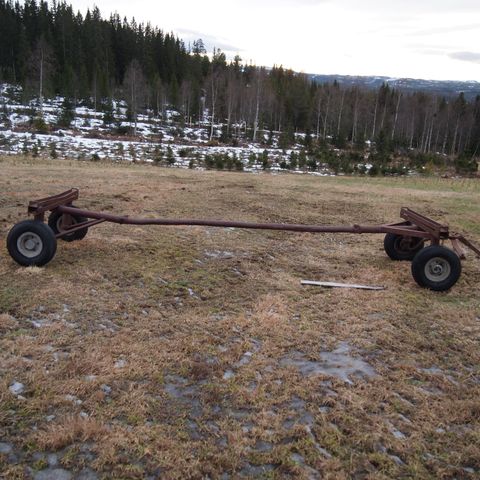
x=405, y=243
x=437, y=269
x=29, y=244
x=62, y=226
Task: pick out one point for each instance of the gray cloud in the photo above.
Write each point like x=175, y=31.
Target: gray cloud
x=473, y=57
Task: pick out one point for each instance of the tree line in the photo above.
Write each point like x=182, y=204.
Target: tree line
x=51, y=50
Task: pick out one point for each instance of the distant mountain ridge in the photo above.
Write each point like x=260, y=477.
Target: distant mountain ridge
x=440, y=87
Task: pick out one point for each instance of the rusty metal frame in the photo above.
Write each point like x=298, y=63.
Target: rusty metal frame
x=414, y=225
x=37, y=208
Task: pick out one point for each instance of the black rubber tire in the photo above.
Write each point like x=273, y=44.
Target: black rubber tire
x=442, y=258
x=46, y=248
x=393, y=246
x=53, y=220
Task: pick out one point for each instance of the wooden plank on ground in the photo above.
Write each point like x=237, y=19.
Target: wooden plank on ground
x=341, y=285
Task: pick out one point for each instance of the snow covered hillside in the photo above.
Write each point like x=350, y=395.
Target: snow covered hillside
x=33, y=129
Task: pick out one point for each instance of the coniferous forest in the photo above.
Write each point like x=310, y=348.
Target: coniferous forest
x=49, y=49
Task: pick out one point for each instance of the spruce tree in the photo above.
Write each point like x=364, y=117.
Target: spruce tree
x=67, y=114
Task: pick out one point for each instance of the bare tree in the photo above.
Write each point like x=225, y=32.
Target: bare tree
x=41, y=69
x=396, y=115
x=257, y=85
x=134, y=82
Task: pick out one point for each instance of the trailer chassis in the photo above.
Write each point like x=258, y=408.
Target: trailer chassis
x=34, y=242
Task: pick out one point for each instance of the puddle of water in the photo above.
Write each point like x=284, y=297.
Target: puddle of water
x=238, y=414
x=338, y=363
x=193, y=430
x=263, y=447
x=255, y=471
x=297, y=403
x=178, y=388
x=304, y=418
x=439, y=372
x=245, y=360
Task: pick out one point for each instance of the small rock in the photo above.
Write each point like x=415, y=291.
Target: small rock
x=106, y=389
x=60, y=356
x=73, y=399
x=39, y=323
x=84, y=414
x=50, y=418
x=297, y=458
x=5, y=448
x=52, y=460
x=397, y=460
x=120, y=363
x=398, y=434
x=90, y=378
x=245, y=360
x=17, y=388
x=404, y=418
x=53, y=474
x=228, y=375
x=192, y=293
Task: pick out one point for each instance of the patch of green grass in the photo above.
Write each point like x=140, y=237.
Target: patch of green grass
x=10, y=299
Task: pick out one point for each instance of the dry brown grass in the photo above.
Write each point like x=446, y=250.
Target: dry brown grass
x=68, y=431
x=135, y=327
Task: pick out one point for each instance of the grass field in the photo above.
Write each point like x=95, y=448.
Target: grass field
x=189, y=352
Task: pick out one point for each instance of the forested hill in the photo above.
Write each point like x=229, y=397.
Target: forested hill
x=52, y=50
x=446, y=88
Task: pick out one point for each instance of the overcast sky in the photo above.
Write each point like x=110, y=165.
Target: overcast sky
x=431, y=39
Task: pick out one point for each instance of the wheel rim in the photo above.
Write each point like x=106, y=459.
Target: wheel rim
x=60, y=224
x=437, y=269
x=405, y=244
x=29, y=244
